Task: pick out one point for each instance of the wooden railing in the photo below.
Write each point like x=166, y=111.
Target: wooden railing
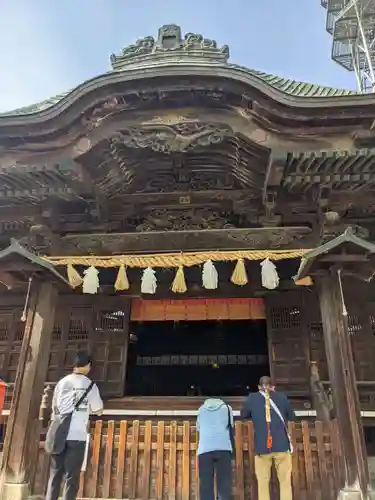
x=157, y=459
x=300, y=400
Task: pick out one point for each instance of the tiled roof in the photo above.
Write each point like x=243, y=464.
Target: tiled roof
x=36, y=108
x=284, y=85
x=171, y=48
x=300, y=89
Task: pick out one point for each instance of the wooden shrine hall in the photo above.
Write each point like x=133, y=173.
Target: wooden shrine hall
x=194, y=225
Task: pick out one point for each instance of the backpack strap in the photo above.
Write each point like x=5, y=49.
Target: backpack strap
x=279, y=414
x=229, y=425
x=79, y=402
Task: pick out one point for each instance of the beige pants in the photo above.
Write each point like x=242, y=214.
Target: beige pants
x=283, y=466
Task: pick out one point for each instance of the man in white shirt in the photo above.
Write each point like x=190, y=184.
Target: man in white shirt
x=67, y=465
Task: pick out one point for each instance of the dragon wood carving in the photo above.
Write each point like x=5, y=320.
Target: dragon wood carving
x=179, y=137
x=192, y=240
x=182, y=220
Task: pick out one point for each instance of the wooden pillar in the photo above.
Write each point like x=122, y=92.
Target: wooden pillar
x=31, y=374
x=127, y=332
x=343, y=385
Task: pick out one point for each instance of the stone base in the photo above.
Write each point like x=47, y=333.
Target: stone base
x=15, y=491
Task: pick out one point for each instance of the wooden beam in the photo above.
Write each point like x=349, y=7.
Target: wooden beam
x=8, y=280
x=344, y=258
x=274, y=173
x=344, y=387
x=20, y=439
x=43, y=192
x=189, y=240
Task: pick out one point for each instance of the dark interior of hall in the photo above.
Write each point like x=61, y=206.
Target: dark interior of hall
x=196, y=358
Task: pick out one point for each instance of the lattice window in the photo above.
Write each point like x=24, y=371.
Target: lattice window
x=19, y=330
x=110, y=321
x=354, y=325
x=316, y=331
x=372, y=323
x=4, y=331
x=78, y=329
x=5, y=322
x=57, y=330
x=285, y=317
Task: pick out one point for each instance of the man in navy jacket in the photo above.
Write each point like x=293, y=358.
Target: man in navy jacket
x=270, y=412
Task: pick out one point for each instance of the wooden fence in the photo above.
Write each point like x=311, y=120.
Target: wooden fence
x=157, y=460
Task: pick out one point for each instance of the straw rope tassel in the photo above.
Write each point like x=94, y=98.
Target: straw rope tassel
x=122, y=282
x=179, y=283
x=239, y=276
x=174, y=259
x=74, y=278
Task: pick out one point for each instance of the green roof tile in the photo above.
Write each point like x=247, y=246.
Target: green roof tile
x=290, y=87
x=37, y=107
x=300, y=89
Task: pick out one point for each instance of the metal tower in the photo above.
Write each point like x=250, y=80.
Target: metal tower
x=352, y=25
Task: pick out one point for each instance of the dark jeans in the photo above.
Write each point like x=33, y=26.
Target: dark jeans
x=66, y=466
x=209, y=463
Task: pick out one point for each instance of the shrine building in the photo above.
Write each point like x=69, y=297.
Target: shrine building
x=194, y=225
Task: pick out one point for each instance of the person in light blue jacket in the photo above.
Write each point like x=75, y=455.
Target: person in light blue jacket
x=215, y=426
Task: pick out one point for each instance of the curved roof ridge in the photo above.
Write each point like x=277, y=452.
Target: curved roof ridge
x=287, y=86
x=38, y=106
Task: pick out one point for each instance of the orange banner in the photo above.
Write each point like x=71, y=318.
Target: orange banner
x=197, y=309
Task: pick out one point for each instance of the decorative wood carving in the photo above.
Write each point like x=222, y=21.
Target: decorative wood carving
x=172, y=138
x=154, y=241
x=189, y=219
x=189, y=155
x=169, y=44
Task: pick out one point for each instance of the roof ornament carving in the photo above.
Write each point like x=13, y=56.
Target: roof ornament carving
x=170, y=47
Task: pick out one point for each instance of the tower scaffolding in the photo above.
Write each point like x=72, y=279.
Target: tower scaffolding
x=352, y=26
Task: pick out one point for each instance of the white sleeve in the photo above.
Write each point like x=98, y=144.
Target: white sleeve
x=95, y=401
x=54, y=399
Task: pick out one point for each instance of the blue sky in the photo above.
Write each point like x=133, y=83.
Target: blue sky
x=50, y=46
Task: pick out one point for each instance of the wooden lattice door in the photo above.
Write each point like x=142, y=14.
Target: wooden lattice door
x=109, y=347
x=361, y=322
x=11, y=335
x=103, y=331
x=288, y=342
